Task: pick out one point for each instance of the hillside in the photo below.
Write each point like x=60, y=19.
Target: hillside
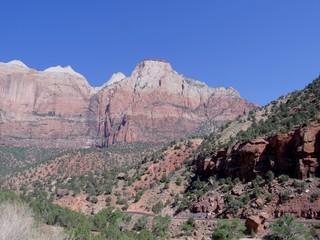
x=295, y=110
x=166, y=182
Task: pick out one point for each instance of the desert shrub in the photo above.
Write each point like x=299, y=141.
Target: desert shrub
x=157, y=207
x=108, y=201
x=138, y=196
x=53, y=214
x=268, y=197
x=246, y=198
x=234, y=206
x=184, y=204
x=141, y=223
x=269, y=176
x=284, y=196
x=179, y=181
x=8, y=195
x=257, y=192
x=146, y=235
x=106, y=217
x=314, y=196
x=108, y=189
x=163, y=178
x=188, y=226
x=283, y=178
x=287, y=228
x=161, y=225
x=94, y=199
x=229, y=229
x=112, y=232
x=82, y=231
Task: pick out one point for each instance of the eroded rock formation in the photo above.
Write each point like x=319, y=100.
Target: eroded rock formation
x=296, y=153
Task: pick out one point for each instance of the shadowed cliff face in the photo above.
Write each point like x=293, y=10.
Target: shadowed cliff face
x=58, y=108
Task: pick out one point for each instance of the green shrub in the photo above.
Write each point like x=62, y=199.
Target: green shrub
x=161, y=225
x=141, y=223
x=157, y=207
x=179, y=181
x=268, y=197
x=269, y=176
x=146, y=235
x=9, y=195
x=229, y=229
x=283, y=178
x=163, y=178
x=284, y=196
x=287, y=228
x=188, y=226
x=138, y=196
x=234, y=206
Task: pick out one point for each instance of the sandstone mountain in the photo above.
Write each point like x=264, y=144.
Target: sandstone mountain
x=58, y=108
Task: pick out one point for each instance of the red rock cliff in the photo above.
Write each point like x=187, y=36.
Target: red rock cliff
x=296, y=153
x=157, y=104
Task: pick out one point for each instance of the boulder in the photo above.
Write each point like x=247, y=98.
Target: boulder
x=256, y=223
x=121, y=176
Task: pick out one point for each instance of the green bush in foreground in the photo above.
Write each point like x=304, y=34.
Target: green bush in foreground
x=287, y=228
x=229, y=230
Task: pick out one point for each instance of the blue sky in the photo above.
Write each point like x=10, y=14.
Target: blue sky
x=264, y=49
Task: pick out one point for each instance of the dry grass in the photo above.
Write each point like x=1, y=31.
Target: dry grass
x=17, y=223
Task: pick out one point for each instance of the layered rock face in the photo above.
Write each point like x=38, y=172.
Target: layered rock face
x=46, y=108
x=157, y=104
x=58, y=108
x=296, y=154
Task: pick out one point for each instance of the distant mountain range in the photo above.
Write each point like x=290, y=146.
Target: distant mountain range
x=58, y=108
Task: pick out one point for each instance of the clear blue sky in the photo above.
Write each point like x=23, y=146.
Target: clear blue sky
x=263, y=49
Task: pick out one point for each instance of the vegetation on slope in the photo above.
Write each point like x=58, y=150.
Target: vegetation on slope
x=295, y=110
x=15, y=159
x=298, y=109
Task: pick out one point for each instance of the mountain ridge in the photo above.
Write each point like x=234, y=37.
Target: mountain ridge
x=154, y=104
x=68, y=69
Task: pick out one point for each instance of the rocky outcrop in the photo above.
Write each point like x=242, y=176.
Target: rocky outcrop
x=58, y=108
x=296, y=154
x=300, y=207
x=213, y=204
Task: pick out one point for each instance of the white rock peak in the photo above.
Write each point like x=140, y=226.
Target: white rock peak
x=115, y=78
x=17, y=63
x=152, y=66
x=59, y=69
